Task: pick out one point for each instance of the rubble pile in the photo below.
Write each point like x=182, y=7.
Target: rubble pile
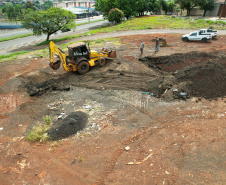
x=73, y=123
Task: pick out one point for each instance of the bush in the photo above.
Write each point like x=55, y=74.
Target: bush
x=115, y=15
x=39, y=132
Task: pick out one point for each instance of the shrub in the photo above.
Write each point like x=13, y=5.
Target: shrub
x=39, y=132
x=115, y=15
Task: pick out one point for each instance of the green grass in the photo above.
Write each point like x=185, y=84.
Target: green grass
x=15, y=37
x=39, y=132
x=115, y=41
x=61, y=39
x=12, y=56
x=161, y=22
x=90, y=22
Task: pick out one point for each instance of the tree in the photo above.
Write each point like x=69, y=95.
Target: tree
x=171, y=6
x=128, y=7
x=13, y=11
x=141, y=6
x=164, y=5
x=187, y=4
x=153, y=6
x=115, y=15
x=47, y=5
x=49, y=22
x=30, y=5
x=206, y=5
x=104, y=6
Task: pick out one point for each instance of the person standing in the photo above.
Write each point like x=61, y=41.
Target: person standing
x=157, y=45
x=141, y=48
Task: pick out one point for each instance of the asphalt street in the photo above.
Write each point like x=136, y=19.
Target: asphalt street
x=7, y=46
x=4, y=33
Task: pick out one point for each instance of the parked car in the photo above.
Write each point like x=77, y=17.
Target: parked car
x=196, y=36
x=209, y=31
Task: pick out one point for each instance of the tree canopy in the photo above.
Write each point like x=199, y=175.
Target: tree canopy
x=13, y=11
x=187, y=4
x=206, y=5
x=49, y=22
x=129, y=7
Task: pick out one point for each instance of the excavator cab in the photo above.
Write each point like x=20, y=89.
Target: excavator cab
x=78, y=50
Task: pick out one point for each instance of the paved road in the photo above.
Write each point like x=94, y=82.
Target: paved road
x=14, y=32
x=7, y=46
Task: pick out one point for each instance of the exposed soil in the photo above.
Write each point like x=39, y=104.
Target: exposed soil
x=133, y=112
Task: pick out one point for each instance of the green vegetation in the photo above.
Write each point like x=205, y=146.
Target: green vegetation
x=157, y=22
x=89, y=22
x=61, y=39
x=161, y=22
x=12, y=56
x=38, y=133
x=97, y=42
x=115, y=15
x=47, y=42
x=49, y=22
x=129, y=8
x=15, y=37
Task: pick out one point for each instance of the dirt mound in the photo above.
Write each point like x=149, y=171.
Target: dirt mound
x=177, y=61
x=201, y=80
x=208, y=80
x=74, y=122
x=38, y=89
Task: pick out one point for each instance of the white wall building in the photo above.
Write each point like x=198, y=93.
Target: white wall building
x=75, y=3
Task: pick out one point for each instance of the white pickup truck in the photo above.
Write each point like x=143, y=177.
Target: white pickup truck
x=209, y=31
x=196, y=36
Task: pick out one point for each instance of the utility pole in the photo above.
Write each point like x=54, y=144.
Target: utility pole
x=222, y=9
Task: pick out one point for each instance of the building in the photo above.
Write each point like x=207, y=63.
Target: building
x=217, y=9
x=75, y=3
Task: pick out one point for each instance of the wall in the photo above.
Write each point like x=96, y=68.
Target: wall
x=213, y=13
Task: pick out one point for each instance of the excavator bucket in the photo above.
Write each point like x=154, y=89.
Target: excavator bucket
x=112, y=54
x=55, y=65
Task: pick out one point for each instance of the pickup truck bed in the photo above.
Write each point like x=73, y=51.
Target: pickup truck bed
x=196, y=36
x=208, y=31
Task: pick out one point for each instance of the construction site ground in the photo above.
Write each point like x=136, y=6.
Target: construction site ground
x=132, y=137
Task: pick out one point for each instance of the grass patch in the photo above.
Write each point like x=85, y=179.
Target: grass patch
x=12, y=56
x=41, y=53
x=15, y=37
x=161, y=22
x=115, y=41
x=39, y=132
x=89, y=22
x=60, y=39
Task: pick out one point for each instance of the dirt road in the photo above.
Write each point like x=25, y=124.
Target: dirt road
x=183, y=140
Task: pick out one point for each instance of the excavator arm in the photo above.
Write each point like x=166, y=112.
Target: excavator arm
x=62, y=55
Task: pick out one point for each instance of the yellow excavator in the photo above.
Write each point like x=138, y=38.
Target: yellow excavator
x=79, y=58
